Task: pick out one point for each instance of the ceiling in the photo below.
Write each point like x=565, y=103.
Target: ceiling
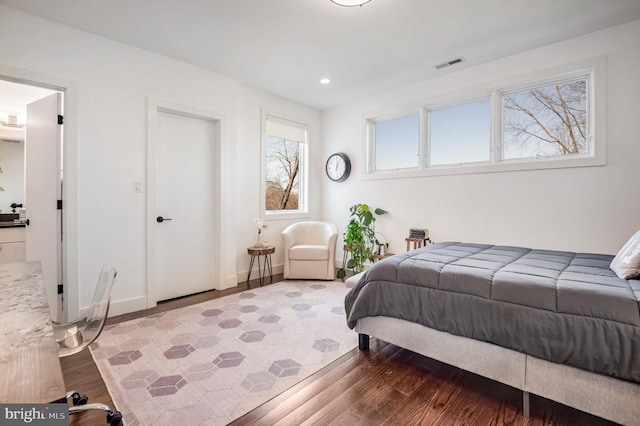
x=286, y=46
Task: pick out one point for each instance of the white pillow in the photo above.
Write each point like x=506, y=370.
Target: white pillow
x=626, y=264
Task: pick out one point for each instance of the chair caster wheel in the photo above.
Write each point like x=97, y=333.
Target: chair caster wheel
x=78, y=399
x=114, y=418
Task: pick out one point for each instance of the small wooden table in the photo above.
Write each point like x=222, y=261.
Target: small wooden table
x=417, y=242
x=30, y=370
x=256, y=252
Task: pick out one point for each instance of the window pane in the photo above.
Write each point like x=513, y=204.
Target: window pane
x=460, y=134
x=284, y=151
x=397, y=143
x=546, y=121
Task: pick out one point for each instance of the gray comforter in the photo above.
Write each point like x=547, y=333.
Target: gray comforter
x=567, y=308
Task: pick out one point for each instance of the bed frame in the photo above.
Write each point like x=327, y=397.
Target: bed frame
x=603, y=396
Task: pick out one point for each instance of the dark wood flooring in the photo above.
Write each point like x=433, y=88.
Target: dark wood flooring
x=386, y=385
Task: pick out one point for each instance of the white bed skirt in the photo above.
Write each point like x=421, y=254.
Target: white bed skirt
x=603, y=396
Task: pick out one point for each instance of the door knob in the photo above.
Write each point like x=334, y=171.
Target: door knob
x=161, y=219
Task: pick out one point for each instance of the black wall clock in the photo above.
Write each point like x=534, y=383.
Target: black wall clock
x=338, y=167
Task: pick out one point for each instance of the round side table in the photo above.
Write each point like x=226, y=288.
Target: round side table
x=255, y=253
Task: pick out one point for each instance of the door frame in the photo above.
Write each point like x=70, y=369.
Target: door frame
x=70, y=275
x=220, y=226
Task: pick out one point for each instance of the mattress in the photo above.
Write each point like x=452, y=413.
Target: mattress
x=567, y=308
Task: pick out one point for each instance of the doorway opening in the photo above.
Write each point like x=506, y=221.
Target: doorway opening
x=31, y=167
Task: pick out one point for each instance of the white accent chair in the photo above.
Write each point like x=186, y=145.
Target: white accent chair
x=309, y=250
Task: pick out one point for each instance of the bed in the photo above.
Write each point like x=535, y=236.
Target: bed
x=557, y=324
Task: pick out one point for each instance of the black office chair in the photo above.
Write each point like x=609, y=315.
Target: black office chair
x=75, y=336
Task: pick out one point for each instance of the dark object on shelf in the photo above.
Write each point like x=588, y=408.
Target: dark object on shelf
x=418, y=233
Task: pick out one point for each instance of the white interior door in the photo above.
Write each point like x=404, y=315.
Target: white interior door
x=42, y=190
x=185, y=200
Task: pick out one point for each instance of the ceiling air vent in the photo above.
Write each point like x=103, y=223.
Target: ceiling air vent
x=449, y=63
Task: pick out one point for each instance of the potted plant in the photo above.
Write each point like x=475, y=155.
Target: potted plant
x=360, y=238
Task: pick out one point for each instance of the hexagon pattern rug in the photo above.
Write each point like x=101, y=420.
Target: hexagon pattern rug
x=210, y=363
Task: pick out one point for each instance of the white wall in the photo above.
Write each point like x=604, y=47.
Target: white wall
x=105, y=127
x=590, y=209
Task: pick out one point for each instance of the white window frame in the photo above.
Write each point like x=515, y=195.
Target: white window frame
x=371, y=148
x=303, y=173
x=593, y=69
x=427, y=130
x=578, y=75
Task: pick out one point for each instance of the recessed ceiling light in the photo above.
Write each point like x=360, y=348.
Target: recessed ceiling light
x=350, y=3
x=325, y=81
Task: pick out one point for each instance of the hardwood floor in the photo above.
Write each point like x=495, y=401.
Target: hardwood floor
x=386, y=385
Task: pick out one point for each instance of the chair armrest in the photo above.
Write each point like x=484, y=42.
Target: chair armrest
x=288, y=241
x=333, y=239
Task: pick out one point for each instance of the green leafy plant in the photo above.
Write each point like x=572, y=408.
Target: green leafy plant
x=360, y=238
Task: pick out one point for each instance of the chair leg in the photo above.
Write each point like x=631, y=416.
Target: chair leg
x=77, y=398
x=114, y=418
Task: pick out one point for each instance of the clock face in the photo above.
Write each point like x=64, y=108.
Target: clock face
x=338, y=167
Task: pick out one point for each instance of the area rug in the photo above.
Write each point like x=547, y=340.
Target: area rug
x=210, y=363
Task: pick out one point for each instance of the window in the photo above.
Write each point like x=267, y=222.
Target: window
x=546, y=122
x=397, y=143
x=460, y=134
x=284, y=166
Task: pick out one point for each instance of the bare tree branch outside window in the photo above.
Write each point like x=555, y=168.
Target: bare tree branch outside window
x=546, y=121
x=282, y=174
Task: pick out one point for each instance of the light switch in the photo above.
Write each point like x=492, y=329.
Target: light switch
x=137, y=186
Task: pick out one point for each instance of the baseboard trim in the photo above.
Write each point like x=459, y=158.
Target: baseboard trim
x=229, y=282
x=243, y=275
x=127, y=306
